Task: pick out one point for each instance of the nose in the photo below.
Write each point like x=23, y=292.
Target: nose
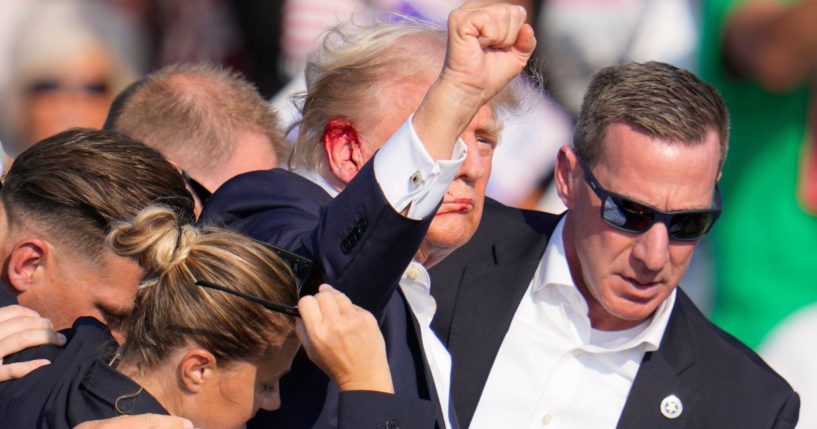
x=652, y=247
x=473, y=168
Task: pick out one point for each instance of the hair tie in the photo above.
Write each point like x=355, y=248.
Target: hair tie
x=180, y=231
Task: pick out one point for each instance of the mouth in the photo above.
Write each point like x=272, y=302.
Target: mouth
x=642, y=288
x=456, y=205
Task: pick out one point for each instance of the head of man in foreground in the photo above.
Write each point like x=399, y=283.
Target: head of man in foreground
x=640, y=185
x=57, y=205
x=363, y=83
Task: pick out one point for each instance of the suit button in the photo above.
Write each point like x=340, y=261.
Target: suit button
x=345, y=246
x=392, y=424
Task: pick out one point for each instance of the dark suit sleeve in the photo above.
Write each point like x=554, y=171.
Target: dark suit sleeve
x=363, y=409
x=361, y=243
x=789, y=413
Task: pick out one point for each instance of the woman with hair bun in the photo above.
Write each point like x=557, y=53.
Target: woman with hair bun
x=208, y=340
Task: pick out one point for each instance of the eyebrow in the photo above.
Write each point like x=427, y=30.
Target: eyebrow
x=492, y=129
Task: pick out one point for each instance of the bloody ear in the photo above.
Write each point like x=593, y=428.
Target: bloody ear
x=344, y=152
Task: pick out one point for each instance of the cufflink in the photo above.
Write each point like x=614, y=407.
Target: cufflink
x=416, y=180
x=671, y=407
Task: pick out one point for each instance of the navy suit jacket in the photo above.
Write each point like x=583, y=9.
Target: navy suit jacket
x=363, y=246
x=721, y=382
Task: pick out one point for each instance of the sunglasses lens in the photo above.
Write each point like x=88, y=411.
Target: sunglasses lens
x=690, y=226
x=627, y=215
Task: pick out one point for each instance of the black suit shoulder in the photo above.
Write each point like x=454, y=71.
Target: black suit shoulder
x=720, y=381
x=733, y=377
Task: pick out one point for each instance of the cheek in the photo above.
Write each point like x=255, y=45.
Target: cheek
x=680, y=257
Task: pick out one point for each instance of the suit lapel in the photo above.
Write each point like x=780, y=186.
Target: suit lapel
x=429, y=377
x=660, y=376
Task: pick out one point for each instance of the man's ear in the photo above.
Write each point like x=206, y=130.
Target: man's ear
x=344, y=152
x=196, y=368
x=566, y=175
x=27, y=257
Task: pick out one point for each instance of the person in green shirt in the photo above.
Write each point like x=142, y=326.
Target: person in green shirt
x=762, y=55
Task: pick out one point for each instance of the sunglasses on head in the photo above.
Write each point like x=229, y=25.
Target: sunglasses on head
x=629, y=215
x=308, y=274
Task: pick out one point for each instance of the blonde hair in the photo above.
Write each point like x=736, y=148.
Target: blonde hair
x=346, y=73
x=171, y=311
x=345, y=77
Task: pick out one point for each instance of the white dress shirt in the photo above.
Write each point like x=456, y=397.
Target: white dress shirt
x=411, y=179
x=553, y=369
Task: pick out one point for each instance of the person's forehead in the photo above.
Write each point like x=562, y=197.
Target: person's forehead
x=666, y=175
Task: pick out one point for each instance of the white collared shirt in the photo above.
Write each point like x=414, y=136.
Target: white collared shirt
x=553, y=369
x=411, y=179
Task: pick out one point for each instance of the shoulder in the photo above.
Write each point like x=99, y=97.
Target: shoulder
x=726, y=372
x=259, y=202
x=258, y=190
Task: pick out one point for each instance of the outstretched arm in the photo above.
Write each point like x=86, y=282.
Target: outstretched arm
x=488, y=45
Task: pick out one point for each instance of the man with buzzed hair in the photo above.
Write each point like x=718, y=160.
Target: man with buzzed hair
x=206, y=119
x=57, y=204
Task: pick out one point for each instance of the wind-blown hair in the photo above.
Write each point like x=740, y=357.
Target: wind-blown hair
x=345, y=75
x=172, y=312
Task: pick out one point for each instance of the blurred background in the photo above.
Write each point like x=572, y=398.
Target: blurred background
x=62, y=62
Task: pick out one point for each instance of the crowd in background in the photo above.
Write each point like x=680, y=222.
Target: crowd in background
x=62, y=62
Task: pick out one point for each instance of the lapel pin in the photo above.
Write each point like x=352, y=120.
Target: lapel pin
x=671, y=407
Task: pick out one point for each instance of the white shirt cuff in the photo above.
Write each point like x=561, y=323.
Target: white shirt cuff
x=409, y=177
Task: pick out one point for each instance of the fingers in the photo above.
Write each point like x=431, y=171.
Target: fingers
x=18, y=370
x=26, y=338
x=494, y=25
x=14, y=311
x=526, y=40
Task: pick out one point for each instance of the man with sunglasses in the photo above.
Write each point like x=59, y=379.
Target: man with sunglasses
x=578, y=319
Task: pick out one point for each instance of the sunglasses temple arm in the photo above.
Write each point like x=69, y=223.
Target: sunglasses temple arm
x=280, y=308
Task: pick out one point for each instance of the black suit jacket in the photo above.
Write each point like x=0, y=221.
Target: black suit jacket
x=721, y=382
x=364, y=246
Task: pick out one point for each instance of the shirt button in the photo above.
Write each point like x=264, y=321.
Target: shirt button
x=547, y=419
x=577, y=352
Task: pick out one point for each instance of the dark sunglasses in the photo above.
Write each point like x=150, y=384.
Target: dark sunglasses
x=308, y=274
x=52, y=85
x=628, y=215
x=269, y=305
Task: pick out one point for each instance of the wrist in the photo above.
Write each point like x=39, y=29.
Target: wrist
x=373, y=380
x=445, y=112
